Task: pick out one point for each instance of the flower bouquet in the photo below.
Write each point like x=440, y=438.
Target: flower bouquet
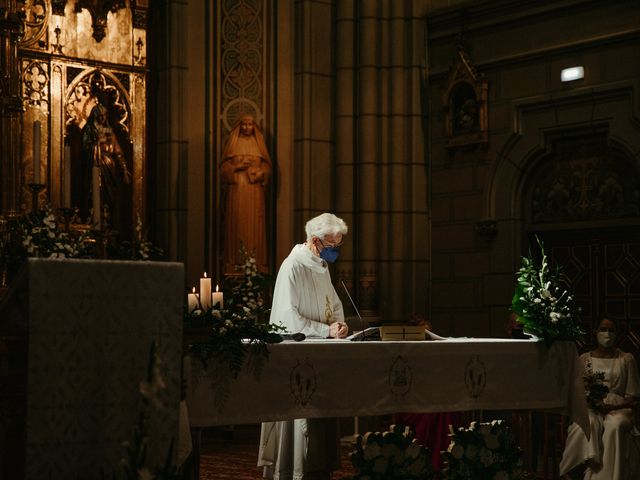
x=484, y=451
x=40, y=236
x=544, y=307
x=594, y=388
x=392, y=455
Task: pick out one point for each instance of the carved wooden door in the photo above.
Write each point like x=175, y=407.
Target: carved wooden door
x=603, y=271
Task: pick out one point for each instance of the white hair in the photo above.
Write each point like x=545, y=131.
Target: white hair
x=325, y=224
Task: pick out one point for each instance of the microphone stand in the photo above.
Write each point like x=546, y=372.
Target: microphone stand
x=364, y=334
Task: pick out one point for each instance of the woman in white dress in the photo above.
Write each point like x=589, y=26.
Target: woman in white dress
x=610, y=453
x=305, y=301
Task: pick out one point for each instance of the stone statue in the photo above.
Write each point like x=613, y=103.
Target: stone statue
x=245, y=173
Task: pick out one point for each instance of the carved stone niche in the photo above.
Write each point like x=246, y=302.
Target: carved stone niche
x=465, y=104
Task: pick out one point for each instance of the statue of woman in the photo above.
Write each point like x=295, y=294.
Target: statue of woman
x=101, y=148
x=245, y=172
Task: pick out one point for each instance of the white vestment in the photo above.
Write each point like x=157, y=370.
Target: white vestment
x=304, y=301
x=611, y=451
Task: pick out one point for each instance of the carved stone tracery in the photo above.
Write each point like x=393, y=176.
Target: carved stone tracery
x=585, y=179
x=242, y=62
x=36, y=20
x=35, y=80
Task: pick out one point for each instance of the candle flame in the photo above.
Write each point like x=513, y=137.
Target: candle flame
x=193, y=290
x=205, y=274
x=216, y=287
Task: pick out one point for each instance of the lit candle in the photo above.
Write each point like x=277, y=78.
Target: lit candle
x=217, y=299
x=205, y=292
x=36, y=151
x=66, y=182
x=95, y=184
x=192, y=300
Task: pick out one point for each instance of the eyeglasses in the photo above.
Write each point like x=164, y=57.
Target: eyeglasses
x=330, y=245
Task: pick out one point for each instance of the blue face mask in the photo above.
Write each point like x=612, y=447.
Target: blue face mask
x=330, y=254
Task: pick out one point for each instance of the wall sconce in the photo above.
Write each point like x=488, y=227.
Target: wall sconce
x=572, y=73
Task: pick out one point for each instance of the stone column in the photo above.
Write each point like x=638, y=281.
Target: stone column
x=345, y=134
x=172, y=146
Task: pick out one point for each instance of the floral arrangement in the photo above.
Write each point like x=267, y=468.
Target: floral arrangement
x=139, y=248
x=391, y=455
x=483, y=451
x=543, y=306
x=594, y=388
x=239, y=333
x=40, y=236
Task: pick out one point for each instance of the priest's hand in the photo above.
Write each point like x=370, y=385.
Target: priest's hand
x=338, y=330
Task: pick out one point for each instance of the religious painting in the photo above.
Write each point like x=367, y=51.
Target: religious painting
x=465, y=104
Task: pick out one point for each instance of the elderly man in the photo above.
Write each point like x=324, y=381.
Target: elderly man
x=304, y=301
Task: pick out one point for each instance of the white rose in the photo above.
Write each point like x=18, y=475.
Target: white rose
x=471, y=452
x=456, y=451
x=372, y=451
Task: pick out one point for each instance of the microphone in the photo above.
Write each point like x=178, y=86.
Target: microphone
x=364, y=335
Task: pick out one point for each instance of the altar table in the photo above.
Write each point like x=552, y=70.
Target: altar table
x=339, y=378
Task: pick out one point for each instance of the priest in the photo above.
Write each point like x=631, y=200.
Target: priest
x=305, y=301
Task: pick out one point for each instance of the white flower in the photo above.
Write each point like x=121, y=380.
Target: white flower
x=413, y=450
x=390, y=450
x=456, y=451
x=228, y=323
x=536, y=300
x=380, y=465
x=372, y=451
x=50, y=221
x=222, y=331
x=554, y=317
x=486, y=457
x=492, y=442
x=471, y=452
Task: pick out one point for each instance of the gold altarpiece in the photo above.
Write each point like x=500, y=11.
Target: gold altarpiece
x=74, y=56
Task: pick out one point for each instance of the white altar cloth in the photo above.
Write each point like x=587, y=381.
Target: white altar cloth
x=339, y=378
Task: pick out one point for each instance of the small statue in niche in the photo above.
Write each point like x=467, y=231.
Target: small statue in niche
x=245, y=172
x=94, y=141
x=465, y=109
